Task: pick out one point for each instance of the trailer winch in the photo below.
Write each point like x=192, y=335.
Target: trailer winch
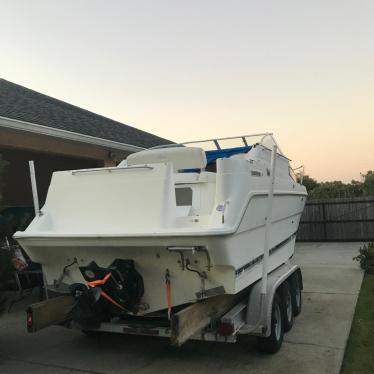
x=109, y=292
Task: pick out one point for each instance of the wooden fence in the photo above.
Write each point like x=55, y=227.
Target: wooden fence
x=349, y=219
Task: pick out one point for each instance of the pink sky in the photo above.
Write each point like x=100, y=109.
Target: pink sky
x=195, y=70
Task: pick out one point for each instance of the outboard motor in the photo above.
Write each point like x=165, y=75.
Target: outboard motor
x=110, y=292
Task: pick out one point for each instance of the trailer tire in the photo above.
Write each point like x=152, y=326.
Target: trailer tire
x=273, y=342
x=287, y=310
x=296, y=294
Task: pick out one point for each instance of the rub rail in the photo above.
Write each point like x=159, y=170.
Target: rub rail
x=109, y=170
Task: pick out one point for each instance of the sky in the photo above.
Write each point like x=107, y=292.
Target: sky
x=187, y=70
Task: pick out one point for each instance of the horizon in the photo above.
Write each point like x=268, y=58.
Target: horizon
x=187, y=71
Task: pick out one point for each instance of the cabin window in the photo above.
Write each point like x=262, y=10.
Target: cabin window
x=183, y=196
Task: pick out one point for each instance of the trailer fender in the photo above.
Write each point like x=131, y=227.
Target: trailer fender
x=258, y=322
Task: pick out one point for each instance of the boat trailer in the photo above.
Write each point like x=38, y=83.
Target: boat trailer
x=220, y=318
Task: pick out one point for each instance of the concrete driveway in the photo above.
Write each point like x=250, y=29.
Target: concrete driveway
x=315, y=344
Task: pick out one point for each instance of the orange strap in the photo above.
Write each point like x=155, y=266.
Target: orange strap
x=99, y=282
x=168, y=292
x=104, y=294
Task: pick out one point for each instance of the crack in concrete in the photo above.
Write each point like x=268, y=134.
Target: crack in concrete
x=71, y=369
x=328, y=266
x=333, y=293
x=314, y=345
x=142, y=367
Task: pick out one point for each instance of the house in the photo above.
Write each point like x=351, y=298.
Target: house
x=57, y=136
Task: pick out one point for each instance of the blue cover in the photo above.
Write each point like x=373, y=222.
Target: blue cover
x=212, y=156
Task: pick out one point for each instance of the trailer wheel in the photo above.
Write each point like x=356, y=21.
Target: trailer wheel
x=288, y=312
x=272, y=343
x=296, y=294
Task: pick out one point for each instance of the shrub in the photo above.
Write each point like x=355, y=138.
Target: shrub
x=366, y=257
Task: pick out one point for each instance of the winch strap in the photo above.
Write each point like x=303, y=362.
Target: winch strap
x=104, y=294
x=168, y=292
x=99, y=282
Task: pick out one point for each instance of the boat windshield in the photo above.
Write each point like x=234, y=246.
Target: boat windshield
x=235, y=144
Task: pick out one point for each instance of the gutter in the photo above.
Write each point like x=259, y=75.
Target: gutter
x=34, y=128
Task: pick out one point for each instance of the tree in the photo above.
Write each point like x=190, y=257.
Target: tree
x=309, y=183
x=330, y=190
x=336, y=189
x=368, y=184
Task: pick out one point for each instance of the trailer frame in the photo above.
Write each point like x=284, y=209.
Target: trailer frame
x=246, y=317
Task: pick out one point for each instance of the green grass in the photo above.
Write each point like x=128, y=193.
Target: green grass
x=359, y=355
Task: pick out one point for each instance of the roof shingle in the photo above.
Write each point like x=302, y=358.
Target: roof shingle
x=20, y=103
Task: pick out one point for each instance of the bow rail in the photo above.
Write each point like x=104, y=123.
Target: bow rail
x=265, y=137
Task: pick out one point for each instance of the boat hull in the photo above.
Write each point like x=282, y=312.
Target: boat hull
x=231, y=262
x=133, y=214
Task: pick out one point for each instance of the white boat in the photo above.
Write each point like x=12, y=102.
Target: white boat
x=168, y=226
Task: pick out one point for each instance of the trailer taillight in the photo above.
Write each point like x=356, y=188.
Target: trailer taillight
x=225, y=329
x=29, y=318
